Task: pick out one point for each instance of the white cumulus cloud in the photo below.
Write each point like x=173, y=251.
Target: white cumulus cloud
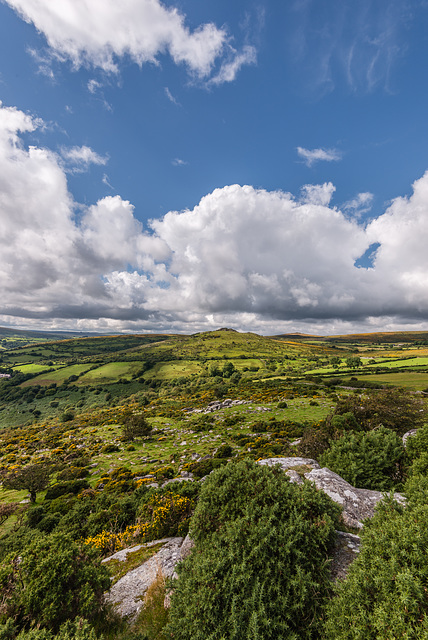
x=244, y=257
x=100, y=32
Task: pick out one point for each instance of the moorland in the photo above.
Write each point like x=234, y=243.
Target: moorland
x=104, y=441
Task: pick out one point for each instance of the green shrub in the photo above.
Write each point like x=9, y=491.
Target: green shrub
x=165, y=514
x=224, y=451
x=372, y=460
x=419, y=465
x=110, y=448
x=259, y=568
x=53, y=580
x=62, y=488
x=395, y=409
x=76, y=630
x=416, y=490
x=418, y=444
x=67, y=416
x=384, y=596
x=166, y=472
x=204, y=467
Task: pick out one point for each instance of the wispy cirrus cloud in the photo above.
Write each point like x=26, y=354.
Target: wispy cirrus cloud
x=311, y=156
x=171, y=97
x=230, y=68
x=356, y=43
x=94, y=85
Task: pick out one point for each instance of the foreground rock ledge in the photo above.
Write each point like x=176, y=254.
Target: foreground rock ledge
x=357, y=504
x=127, y=594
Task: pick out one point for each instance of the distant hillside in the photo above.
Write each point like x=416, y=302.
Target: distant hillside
x=388, y=337
x=12, y=338
x=297, y=336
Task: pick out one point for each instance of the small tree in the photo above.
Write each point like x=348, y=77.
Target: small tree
x=335, y=361
x=135, y=425
x=353, y=362
x=34, y=478
x=228, y=370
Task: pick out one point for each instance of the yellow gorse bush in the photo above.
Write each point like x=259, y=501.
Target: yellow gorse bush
x=108, y=542
x=160, y=516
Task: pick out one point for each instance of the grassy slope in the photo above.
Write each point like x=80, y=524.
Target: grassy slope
x=100, y=395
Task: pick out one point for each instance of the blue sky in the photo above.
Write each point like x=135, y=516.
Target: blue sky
x=189, y=165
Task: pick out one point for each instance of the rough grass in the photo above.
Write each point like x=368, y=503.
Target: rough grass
x=171, y=370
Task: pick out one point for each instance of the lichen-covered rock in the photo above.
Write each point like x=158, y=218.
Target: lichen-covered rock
x=294, y=476
x=345, y=551
x=409, y=434
x=289, y=463
x=122, y=555
x=127, y=594
x=358, y=504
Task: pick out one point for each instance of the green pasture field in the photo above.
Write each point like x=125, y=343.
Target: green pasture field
x=31, y=368
x=408, y=379
x=110, y=372
x=408, y=363
x=171, y=370
x=57, y=376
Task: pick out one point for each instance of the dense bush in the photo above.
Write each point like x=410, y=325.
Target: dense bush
x=417, y=445
x=52, y=580
x=384, y=596
x=71, y=630
x=259, y=566
x=395, y=409
x=204, y=467
x=369, y=460
x=63, y=488
x=318, y=438
x=165, y=514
